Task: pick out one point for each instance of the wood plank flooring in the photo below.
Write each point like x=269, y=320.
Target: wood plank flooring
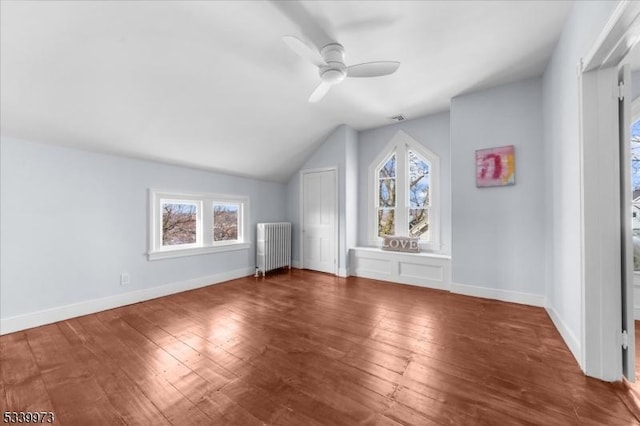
x=305, y=348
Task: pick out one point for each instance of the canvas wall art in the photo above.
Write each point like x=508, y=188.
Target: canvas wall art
x=495, y=166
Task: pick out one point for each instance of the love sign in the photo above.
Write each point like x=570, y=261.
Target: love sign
x=404, y=244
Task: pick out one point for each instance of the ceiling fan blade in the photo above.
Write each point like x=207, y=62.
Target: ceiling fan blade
x=304, y=50
x=372, y=69
x=320, y=91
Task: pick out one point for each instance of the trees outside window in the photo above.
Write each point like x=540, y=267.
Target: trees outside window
x=387, y=197
x=225, y=222
x=179, y=220
x=419, y=170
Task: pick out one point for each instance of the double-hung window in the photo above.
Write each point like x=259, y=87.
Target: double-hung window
x=405, y=179
x=190, y=224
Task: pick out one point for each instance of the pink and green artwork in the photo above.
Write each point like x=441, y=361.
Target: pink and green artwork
x=495, y=166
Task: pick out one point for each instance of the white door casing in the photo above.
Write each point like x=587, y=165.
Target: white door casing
x=603, y=237
x=624, y=114
x=319, y=240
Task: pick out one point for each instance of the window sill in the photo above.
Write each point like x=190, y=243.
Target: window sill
x=195, y=251
x=425, y=254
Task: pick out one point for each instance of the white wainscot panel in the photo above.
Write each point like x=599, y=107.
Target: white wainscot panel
x=380, y=267
x=421, y=269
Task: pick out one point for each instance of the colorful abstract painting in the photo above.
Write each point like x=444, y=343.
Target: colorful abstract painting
x=495, y=166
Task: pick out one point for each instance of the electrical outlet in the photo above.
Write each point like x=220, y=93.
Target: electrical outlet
x=125, y=279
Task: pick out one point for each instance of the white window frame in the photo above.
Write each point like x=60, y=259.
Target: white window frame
x=401, y=143
x=204, y=229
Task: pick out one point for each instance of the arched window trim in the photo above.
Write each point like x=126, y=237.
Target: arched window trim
x=401, y=143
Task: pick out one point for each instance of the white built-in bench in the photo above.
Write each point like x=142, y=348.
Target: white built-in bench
x=421, y=269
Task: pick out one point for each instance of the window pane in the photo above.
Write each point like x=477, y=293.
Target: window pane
x=418, y=222
x=225, y=222
x=387, y=192
x=635, y=186
x=178, y=223
x=386, y=225
x=419, y=182
x=389, y=168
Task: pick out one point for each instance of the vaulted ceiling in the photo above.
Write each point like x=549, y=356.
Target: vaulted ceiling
x=212, y=85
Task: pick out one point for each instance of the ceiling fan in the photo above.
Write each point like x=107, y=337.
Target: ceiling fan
x=331, y=67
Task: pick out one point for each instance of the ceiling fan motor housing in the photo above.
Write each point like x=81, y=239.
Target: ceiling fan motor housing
x=335, y=71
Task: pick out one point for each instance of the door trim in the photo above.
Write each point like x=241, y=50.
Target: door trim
x=601, y=255
x=601, y=319
x=336, y=215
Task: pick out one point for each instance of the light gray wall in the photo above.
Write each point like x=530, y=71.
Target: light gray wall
x=635, y=85
x=292, y=214
x=72, y=221
x=432, y=131
x=336, y=151
x=498, y=232
x=351, y=191
x=562, y=164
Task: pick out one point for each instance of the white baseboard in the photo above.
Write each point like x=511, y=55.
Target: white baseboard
x=569, y=338
x=636, y=313
x=48, y=316
x=296, y=264
x=342, y=272
x=499, y=294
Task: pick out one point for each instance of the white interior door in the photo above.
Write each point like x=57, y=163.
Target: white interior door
x=319, y=220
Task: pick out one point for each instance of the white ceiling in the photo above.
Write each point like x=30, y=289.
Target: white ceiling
x=211, y=84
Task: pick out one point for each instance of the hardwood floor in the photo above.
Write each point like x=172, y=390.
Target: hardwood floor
x=305, y=348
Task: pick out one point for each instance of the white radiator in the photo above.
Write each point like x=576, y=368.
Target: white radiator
x=273, y=248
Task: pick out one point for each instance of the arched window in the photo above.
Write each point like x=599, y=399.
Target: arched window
x=405, y=192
